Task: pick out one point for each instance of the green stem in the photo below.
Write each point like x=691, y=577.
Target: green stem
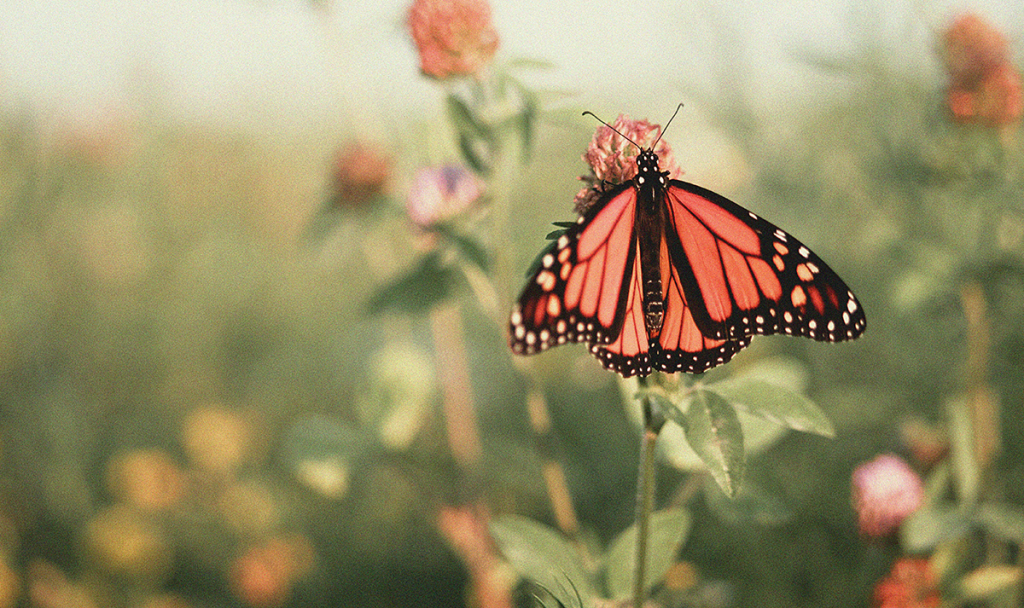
x=653, y=421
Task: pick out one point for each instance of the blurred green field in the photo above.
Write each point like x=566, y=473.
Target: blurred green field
x=198, y=409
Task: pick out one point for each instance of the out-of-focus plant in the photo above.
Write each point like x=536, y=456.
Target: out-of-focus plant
x=984, y=86
x=956, y=262
x=455, y=215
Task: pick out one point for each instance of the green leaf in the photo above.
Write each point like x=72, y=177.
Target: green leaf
x=758, y=436
x=464, y=120
x=1004, y=521
x=472, y=154
x=930, y=525
x=753, y=505
x=987, y=582
x=529, y=63
x=322, y=452
x=425, y=285
x=468, y=247
x=713, y=431
x=774, y=403
x=562, y=228
x=528, y=124
x=667, y=532
x=542, y=555
x=474, y=137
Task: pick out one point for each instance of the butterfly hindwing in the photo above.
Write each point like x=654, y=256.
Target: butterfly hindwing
x=681, y=346
x=629, y=354
x=743, y=275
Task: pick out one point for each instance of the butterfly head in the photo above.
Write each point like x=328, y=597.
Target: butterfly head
x=648, y=173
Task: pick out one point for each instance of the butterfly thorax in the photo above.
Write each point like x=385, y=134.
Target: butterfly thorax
x=650, y=183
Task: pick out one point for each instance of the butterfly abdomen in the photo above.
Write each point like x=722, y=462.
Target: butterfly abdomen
x=649, y=223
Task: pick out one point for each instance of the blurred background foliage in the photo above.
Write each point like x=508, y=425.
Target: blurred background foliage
x=223, y=365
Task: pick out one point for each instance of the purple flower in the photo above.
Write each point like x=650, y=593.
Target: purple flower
x=440, y=193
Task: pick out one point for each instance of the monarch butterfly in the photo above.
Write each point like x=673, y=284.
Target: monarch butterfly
x=662, y=274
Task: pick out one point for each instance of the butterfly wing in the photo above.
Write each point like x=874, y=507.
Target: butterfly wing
x=680, y=345
x=583, y=289
x=740, y=275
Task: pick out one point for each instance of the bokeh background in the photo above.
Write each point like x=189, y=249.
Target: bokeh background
x=253, y=297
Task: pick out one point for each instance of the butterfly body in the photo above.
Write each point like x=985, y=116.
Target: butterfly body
x=663, y=274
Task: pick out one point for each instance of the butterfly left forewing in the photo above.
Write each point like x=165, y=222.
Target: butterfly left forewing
x=579, y=291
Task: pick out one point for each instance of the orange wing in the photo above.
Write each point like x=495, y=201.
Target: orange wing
x=582, y=289
x=681, y=346
x=741, y=275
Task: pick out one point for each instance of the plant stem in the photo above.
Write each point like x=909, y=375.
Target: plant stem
x=653, y=421
x=550, y=452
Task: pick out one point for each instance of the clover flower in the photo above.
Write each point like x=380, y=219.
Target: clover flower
x=984, y=87
x=612, y=159
x=885, y=491
x=454, y=37
x=911, y=584
x=439, y=194
x=361, y=173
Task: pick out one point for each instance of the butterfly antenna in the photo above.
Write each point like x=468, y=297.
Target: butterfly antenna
x=612, y=128
x=679, y=107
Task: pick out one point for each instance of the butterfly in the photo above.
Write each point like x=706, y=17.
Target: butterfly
x=661, y=274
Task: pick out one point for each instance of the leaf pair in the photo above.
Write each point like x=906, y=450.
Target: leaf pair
x=434, y=278
x=709, y=415
x=543, y=556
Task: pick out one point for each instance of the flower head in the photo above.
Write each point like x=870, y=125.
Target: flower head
x=885, y=491
x=148, y=480
x=971, y=48
x=265, y=573
x=454, y=37
x=441, y=193
x=911, y=584
x=996, y=100
x=612, y=159
x=361, y=172
x=984, y=87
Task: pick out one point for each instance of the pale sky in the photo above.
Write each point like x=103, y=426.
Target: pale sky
x=278, y=64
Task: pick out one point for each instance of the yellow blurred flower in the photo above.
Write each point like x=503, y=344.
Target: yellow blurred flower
x=149, y=480
x=218, y=439
x=122, y=543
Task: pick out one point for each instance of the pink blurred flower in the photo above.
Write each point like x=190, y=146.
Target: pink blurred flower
x=911, y=584
x=972, y=48
x=361, y=172
x=454, y=37
x=996, y=100
x=984, y=87
x=885, y=491
x=440, y=193
x=612, y=159
x=265, y=573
